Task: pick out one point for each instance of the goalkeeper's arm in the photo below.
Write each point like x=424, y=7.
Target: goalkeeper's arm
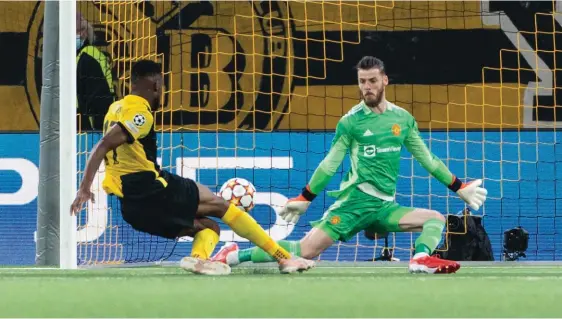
x=471, y=193
x=321, y=177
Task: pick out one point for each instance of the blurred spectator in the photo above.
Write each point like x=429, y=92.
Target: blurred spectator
x=94, y=78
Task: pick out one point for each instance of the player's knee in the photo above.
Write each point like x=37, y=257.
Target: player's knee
x=221, y=206
x=210, y=205
x=315, y=242
x=216, y=228
x=206, y=223
x=213, y=207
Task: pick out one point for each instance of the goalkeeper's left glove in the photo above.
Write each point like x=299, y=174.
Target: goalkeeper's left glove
x=297, y=206
x=471, y=192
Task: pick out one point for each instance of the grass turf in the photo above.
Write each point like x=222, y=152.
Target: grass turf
x=475, y=291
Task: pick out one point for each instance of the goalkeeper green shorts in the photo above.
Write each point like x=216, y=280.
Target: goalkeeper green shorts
x=357, y=211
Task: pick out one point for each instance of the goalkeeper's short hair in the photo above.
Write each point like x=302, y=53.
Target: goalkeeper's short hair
x=370, y=62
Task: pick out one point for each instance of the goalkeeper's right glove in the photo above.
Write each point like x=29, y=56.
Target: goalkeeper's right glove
x=295, y=207
x=471, y=192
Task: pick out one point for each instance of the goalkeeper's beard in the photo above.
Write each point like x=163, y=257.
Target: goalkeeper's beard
x=373, y=102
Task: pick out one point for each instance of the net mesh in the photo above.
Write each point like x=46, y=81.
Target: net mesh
x=125, y=33
x=255, y=89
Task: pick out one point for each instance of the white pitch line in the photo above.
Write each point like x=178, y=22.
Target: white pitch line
x=30, y=268
x=27, y=268
x=337, y=267
x=402, y=267
x=319, y=267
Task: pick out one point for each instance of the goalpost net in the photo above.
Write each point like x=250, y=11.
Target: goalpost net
x=255, y=89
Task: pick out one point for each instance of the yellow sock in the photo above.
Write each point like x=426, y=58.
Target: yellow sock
x=204, y=243
x=244, y=225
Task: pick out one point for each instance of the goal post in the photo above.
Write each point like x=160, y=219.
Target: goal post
x=56, y=242
x=67, y=131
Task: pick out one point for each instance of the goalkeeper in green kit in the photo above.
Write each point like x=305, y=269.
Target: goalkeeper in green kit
x=373, y=132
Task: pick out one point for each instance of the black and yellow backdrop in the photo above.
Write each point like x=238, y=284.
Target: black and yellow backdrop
x=289, y=65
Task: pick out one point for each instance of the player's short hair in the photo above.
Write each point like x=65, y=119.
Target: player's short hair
x=144, y=68
x=370, y=62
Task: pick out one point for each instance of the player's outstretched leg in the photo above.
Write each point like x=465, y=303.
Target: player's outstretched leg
x=205, y=233
x=245, y=226
x=231, y=255
x=311, y=246
x=431, y=225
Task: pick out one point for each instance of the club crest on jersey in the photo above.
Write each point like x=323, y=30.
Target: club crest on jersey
x=139, y=120
x=396, y=129
x=335, y=220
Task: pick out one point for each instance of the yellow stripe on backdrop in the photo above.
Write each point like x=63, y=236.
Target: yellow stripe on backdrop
x=262, y=66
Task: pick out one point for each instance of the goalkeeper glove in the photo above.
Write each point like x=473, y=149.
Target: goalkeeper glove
x=471, y=192
x=297, y=206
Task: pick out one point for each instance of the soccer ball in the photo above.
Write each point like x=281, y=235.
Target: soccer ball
x=239, y=192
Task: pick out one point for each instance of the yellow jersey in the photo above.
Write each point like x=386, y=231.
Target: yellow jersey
x=131, y=169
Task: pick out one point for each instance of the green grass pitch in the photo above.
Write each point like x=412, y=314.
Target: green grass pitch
x=331, y=291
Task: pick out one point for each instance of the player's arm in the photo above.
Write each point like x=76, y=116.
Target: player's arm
x=329, y=165
x=471, y=193
x=133, y=124
x=112, y=139
x=321, y=177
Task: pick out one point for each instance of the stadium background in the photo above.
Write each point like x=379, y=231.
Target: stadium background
x=443, y=59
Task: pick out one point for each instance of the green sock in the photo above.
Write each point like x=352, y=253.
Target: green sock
x=258, y=255
x=430, y=236
x=245, y=255
x=421, y=248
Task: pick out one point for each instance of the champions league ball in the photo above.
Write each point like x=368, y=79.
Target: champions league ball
x=239, y=192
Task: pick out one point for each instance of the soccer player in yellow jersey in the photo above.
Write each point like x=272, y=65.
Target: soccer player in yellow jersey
x=158, y=202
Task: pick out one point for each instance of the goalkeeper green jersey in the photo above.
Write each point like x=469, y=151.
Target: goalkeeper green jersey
x=374, y=142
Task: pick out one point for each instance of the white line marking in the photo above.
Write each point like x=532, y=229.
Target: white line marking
x=30, y=268
x=154, y=268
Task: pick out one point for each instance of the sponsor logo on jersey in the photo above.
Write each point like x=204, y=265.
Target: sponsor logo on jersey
x=369, y=151
x=372, y=150
x=368, y=133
